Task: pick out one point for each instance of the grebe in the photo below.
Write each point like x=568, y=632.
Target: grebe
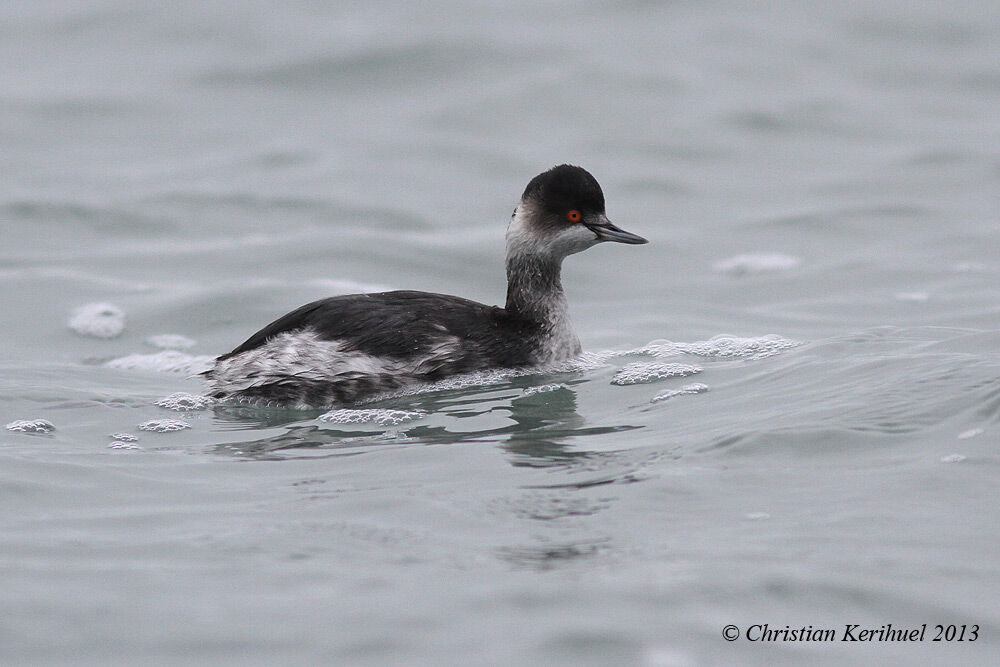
x=349, y=348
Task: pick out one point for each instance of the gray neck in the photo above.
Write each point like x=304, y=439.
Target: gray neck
x=534, y=288
x=535, y=293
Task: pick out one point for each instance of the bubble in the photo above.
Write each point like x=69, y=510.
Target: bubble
x=168, y=361
x=695, y=388
x=756, y=263
x=171, y=342
x=124, y=437
x=382, y=417
x=100, y=320
x=123, y=445
x=952, y=458
x=31, y=426
x=642, y=373
x=164, y=425
x=182, y=401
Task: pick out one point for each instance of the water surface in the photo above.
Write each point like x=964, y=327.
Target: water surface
x=819, y=186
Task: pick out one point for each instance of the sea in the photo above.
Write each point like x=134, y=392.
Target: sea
x=786, y=419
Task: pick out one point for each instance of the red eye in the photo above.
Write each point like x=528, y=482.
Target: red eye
x=574, y=216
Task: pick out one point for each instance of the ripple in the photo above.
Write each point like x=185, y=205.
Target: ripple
x=98, y=320
x=385, y=65
x=695, y=388
x=545, y=505
x=171, y=342
x=167, y=361
x=642, y=373
x=757, y=263
x=550, y=556
x=969, y=267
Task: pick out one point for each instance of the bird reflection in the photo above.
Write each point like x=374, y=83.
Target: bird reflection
x=544, y=425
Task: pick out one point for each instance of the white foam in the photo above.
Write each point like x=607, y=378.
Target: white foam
x=164, y=425
x=952, y=458
x=587, y=361
x=694, y=388
x=171, y=342
x=757, y=263
x=642, y=373
x=971, y=433
x=757, y=516
x=100, y=320
x=167, y=361
x=124, y=437
x=542, y=389
x=183, y=401
x=721, y=347
x=31, y=426
x=123, y=445
x=382, y=417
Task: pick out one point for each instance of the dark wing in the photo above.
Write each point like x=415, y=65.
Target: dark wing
x=401, y=324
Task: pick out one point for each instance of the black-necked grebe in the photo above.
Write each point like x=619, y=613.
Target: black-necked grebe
x=347, y=348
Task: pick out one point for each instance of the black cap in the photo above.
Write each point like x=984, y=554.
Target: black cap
x=566, y=187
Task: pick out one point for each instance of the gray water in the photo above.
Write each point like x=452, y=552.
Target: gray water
x=819, y=183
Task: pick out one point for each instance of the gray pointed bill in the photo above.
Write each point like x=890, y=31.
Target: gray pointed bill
x=608, y=232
